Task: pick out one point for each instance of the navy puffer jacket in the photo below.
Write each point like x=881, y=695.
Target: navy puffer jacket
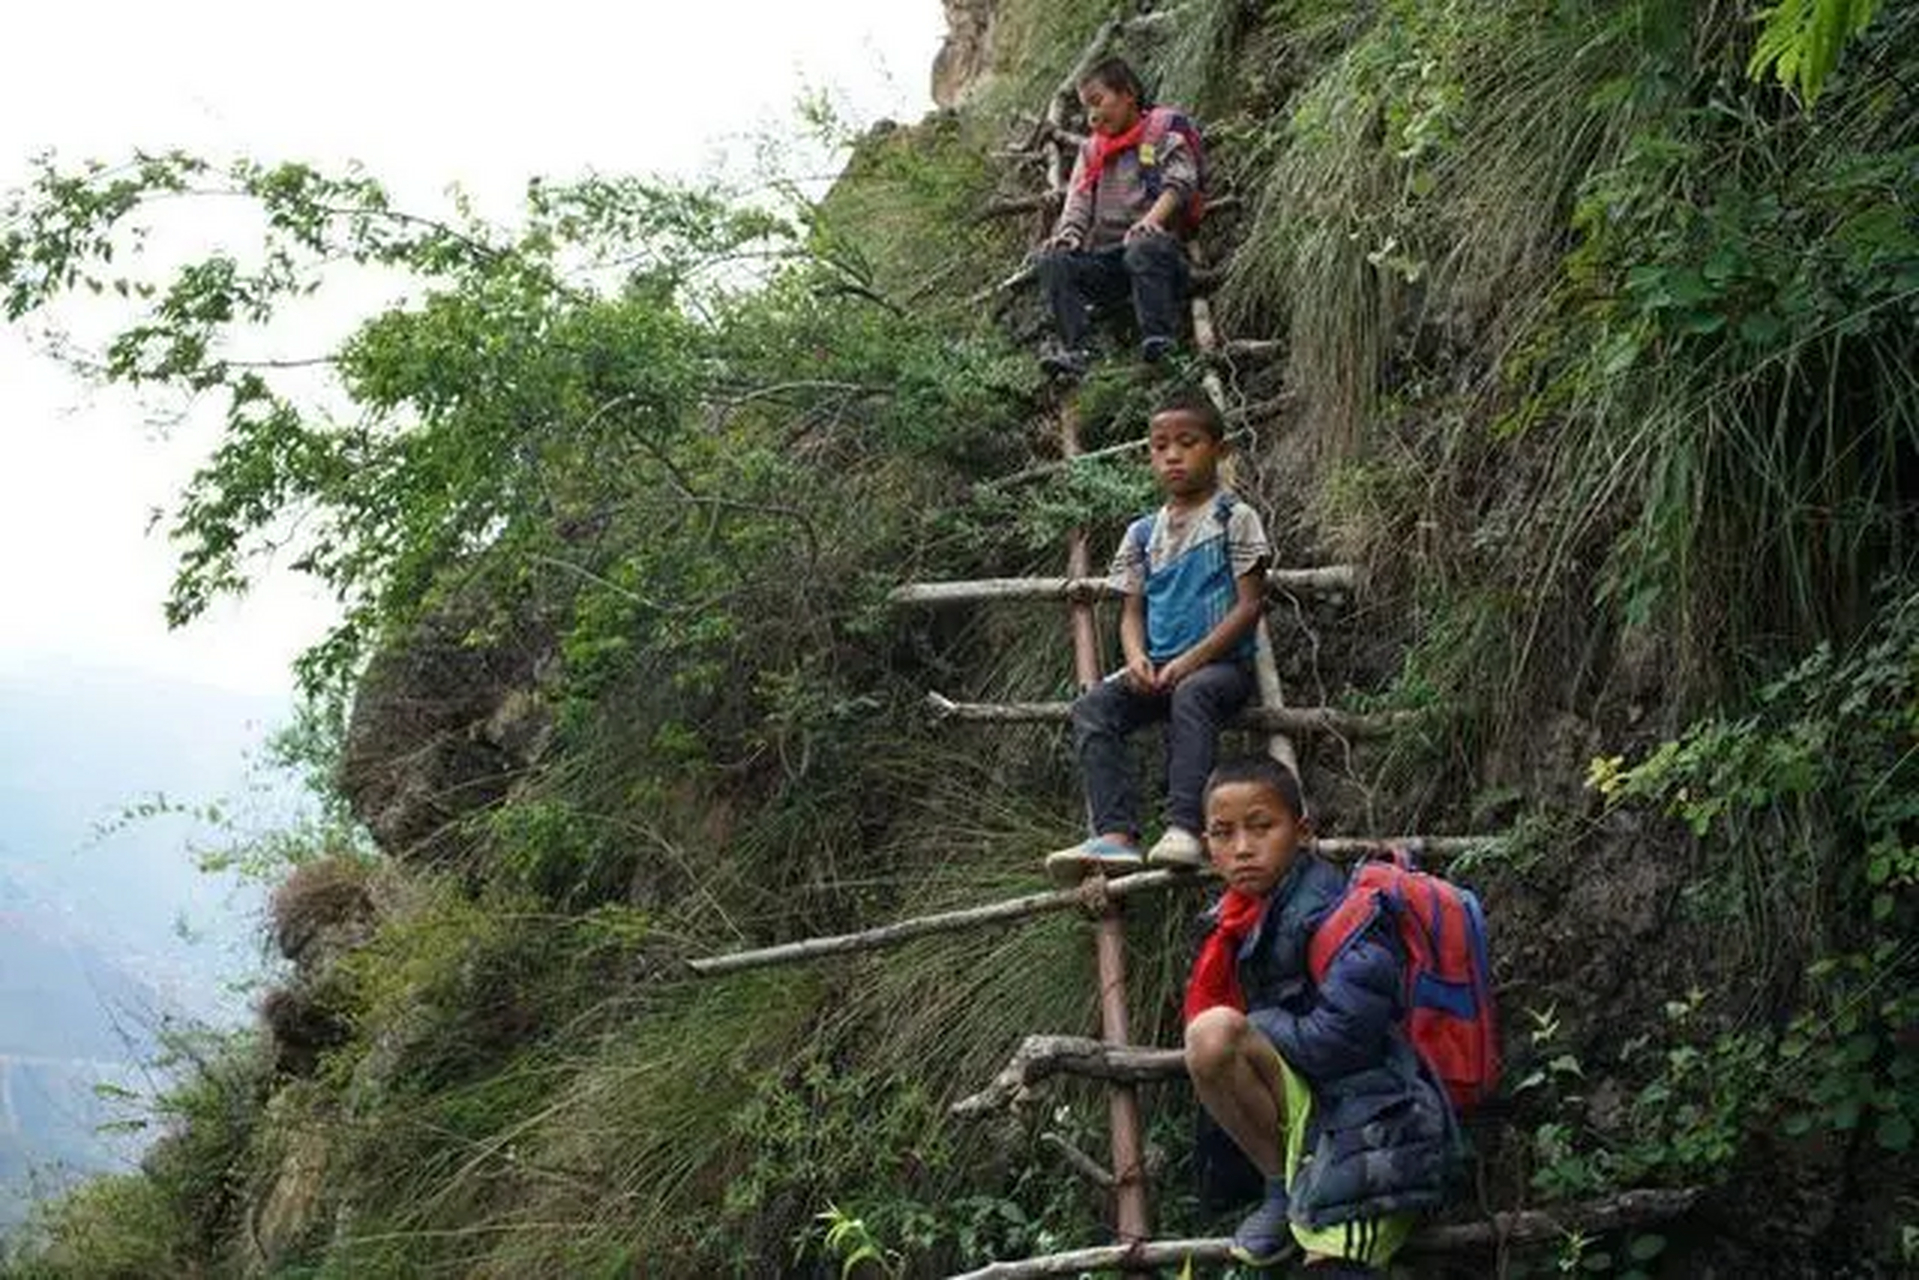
x=1382, y=1137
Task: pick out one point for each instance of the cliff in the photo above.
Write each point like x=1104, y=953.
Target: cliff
x=1589, y=348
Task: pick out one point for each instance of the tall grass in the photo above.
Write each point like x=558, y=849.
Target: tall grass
x=1468, y=238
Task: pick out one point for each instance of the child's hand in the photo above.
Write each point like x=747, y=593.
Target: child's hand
x=1141, y=676
x=1143, y=228
x=1173, y=672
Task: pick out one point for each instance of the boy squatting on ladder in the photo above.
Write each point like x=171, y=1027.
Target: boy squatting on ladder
x=1132, y=195
x=1318, y=1083
x=1193, y=578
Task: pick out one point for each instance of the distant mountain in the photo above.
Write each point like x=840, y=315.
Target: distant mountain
x=104, y=935
x=71, y=1019
x=61, y=996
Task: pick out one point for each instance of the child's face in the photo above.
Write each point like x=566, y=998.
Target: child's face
x=1185, y=455
x=1252, y=836
x=1108, y=110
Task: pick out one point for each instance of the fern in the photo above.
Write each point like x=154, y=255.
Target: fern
x=1801, y=41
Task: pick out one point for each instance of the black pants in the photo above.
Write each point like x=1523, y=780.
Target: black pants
x=1194, y=712
x=1152, y=269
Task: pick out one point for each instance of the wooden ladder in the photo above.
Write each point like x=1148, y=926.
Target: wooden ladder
x=1113, y=1058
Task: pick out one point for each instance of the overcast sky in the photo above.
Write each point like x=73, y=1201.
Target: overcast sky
x=425, y=94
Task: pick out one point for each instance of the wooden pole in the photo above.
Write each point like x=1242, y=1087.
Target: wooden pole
x=1517, y=1227
x=905, y=931
x=1039, y=1058
x=1329, y=578
x=1287, y=720
x=1338, y=848
x=1122, y=1104
x=1279, y=744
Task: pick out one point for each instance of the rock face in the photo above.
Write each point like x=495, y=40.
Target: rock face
x=966, y=59
x=442, y=722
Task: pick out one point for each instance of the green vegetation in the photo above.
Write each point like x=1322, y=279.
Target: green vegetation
x=1600, y=353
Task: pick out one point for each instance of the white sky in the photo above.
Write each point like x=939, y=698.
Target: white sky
x=426, y=94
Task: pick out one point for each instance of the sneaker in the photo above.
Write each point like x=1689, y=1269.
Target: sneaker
x=1265, y=1239
x=1097, y=856
x=1179, y=849
x=1066, y=363
x=1157, y=348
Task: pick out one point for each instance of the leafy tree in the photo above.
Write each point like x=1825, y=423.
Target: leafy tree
x=530, y=364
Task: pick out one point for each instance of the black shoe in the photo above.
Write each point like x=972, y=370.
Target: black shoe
x=1155, y=349
x=1067, y=363
x=1265, y=1239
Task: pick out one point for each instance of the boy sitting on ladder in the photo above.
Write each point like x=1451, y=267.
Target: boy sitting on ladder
x=1298, y=1046
x=1193, y=576
x=1135, y=192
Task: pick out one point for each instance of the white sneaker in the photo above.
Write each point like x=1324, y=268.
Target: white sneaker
x=1091, y=857
x=1179, y=849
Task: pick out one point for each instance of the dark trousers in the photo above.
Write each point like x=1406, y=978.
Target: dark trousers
x=1152, y=269
x=1194, y=713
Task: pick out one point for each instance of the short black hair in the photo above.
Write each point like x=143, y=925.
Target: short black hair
x=1116, y=74
x=1264, y=771
x=1196, y=405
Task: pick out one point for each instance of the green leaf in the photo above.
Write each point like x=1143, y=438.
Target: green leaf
x=1894, y=1132
x=1697, y=323
x=1647, y=1247
x=1801, y=40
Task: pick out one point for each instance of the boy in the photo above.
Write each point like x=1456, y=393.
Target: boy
x=1119, y=229
x=1193, y=576
x=1318, y=1084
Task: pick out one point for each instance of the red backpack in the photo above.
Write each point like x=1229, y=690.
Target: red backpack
x=1448, y=978
x=1161, y=121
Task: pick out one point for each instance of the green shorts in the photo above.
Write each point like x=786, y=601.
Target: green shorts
x=1371, y=1242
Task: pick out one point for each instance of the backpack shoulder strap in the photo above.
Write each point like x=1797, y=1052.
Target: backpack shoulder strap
x=1352, y=917
x=1161, y=121
x=1140, y=534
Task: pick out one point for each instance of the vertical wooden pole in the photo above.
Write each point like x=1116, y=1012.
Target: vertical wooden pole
x=1122, y=1104
x=1265, y=667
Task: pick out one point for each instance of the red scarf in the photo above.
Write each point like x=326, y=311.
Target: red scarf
x=1102, y=147
x=1215, y=979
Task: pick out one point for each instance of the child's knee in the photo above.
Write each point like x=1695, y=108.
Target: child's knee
x=1051, y=262
x=1214, y=692
x=1214, y=1040
x=1096, y=708
x=1149, y=253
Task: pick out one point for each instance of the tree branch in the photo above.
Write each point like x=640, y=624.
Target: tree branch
x=1041, y=1056
x=1084, y=1165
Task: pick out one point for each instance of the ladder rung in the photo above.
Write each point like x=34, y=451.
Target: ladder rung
x=1152, y=879
x=1327, y=578
x=1245, y=414
x=1345, y=724
x=1244, y=350
x=893, y=935
x=1041, y=1056
x=1549, y=1225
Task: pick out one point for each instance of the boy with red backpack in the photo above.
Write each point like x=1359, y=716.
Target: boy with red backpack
x=1134, y=195
x=1304, y=1036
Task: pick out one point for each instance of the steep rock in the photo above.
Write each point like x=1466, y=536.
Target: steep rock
x=966, y=58
x=442, y=721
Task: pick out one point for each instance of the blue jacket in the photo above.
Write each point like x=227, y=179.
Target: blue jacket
x=1382, y=1137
